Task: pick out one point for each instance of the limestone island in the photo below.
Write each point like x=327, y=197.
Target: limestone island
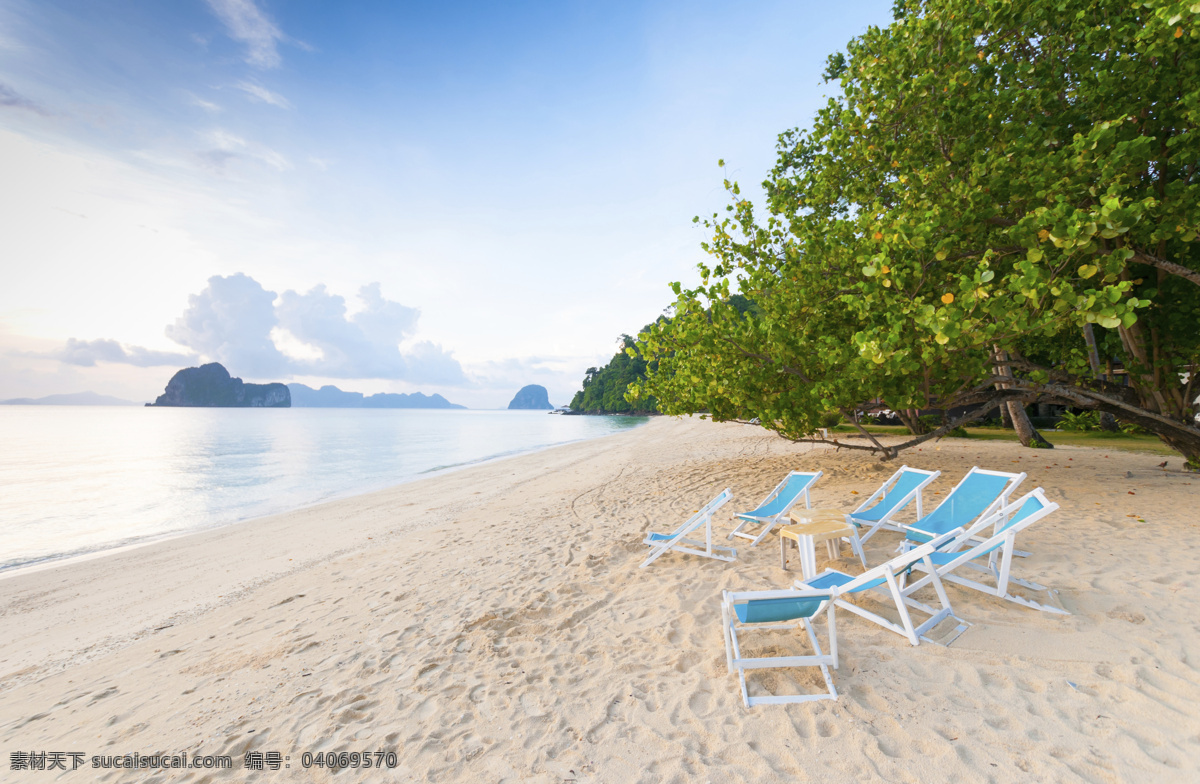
x=211, y=386
x=533, y=397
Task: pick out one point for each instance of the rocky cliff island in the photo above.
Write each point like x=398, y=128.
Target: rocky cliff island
x=211, y=386
x=533, y=397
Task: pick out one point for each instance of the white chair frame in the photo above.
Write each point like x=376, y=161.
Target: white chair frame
x=734, y=660
x=886, y=523
x=770, y=521
x=999, y=548
x=679, y=542
x=893, y=573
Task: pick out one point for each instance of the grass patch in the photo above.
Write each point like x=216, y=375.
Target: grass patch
x=1097, y=439
x=883, y=430
x=1094, y=439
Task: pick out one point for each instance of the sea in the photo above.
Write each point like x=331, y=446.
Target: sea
x=79, y=480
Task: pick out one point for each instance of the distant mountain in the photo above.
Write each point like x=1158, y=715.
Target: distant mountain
x=331, y=397
x=77, y=399
x=211, y=386
x=414, y=400
x=325, y=397
x=532, y=397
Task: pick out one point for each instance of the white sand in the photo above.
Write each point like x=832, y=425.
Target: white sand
x=492, y=625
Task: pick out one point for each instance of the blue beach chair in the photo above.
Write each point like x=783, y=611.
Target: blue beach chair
x=977, y=496
x=677, y=540
x=966, y=551
x=782, y=609
x=892, y=496
x=888, y=579
x=776, y=505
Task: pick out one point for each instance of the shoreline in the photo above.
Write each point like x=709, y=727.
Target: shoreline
x=492, y=624
x=90, y=567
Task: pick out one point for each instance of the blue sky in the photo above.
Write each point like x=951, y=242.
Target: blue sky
x=456, y=197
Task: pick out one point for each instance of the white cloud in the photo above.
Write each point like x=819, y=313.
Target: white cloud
x=245, y=22
x=294, y=348
x=207, y=106
x=259, y=93
x=86, y=353
x=236, y=322
x=366, y=344
x=223, y=147
x=231, y=322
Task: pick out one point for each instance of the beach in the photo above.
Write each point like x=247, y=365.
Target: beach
x=492, y=624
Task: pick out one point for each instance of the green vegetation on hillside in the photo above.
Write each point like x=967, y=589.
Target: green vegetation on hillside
x=604, y=388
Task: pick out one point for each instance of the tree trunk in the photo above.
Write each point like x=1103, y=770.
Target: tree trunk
x=1005, y=419
x=1188, y=447
x=1107, y=421
x=911, y=419
x=1026, y=432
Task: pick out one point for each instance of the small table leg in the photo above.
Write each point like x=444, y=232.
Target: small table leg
x=783, y=553
x=808, y=556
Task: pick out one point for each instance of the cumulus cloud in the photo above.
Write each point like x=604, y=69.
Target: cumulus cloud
x=86, y=353
x=367, y=344
x=230, y=321
x=245, y=22
x=13, y=99
x=432, y=364
x=236, y=322
x=261, y=94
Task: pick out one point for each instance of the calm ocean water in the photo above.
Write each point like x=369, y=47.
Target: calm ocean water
x=76, y=480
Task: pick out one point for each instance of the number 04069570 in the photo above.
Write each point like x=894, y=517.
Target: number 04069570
x=349, y=759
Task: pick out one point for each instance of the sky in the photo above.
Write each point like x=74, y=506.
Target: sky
x=460, y=198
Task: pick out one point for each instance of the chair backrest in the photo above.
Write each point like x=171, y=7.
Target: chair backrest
x=786, y=492
x=779, y=605
x=1015, y=517
x=895, y=494
x=979, y=493
x=876, y=576
x=705, y=512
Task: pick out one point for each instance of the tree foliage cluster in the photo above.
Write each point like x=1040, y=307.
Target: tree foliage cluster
x=991, y=179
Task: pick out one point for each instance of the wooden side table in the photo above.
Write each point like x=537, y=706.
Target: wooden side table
x=815, y=525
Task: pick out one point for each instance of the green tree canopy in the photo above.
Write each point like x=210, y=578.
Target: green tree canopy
x=992, y=177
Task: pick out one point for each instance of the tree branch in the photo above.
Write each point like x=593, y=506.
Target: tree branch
x=853, y=420
x=1167, y=266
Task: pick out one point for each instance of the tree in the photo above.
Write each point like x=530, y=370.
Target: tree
x=991, y=177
